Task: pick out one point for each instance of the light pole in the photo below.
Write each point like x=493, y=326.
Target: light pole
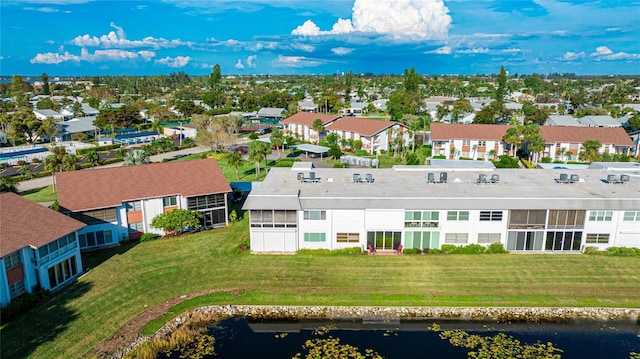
x=180, y=126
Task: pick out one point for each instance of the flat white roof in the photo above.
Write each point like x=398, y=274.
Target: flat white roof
x=407, y=188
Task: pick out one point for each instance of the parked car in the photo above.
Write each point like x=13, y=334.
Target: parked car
x=236, y=196
x=239, y=148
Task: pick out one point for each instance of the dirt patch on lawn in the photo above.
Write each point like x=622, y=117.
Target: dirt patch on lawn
x=131, y=331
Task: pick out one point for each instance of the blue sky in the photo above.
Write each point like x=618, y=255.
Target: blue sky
x=85, y=37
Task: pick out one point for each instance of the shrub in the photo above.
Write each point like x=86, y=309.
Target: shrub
x=496, y=247
x=42, y=174
x=411, y=251
x=440, y=157
x=4, y=166
x=473, y=249
x=448, y=248
x=362, y=153
x=148, y=237
x=22, y=162
x=506, y=161
x=112, y=160
x=623, y=251
x=35, y=160
x=82, y=151
x=341, y=165
x=591, y=250
x=351, y=251
x=412, y=159
x=285, y=162
x=545, y=160
x=315, y=252
x=23, y=304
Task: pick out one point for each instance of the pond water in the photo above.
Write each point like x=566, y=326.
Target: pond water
x=240, y=338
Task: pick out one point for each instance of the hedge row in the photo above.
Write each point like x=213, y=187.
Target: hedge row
x=82, y=151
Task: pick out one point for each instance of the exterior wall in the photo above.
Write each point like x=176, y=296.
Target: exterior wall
x=34, y=267
x=359, y=222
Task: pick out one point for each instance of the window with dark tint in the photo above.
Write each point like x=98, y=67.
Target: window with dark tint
x=530, y=219
x=96, y=216
x=204, y=202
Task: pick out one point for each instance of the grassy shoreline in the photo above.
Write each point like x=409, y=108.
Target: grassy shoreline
x=124, y=281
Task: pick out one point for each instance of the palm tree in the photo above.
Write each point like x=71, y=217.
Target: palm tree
x=8, y=184
x=135, y=157
x=26, y=172
x=512, y=137
x=235, y=160
x=256, y=155
x=277, y=139
x=92, y=157
x=563, y=153
x=318, y=126
x=53, y=163
x=590, y=150
x=536, y=145
x=69, y=162
x=157, y=126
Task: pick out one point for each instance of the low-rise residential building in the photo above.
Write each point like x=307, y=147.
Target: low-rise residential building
x=38, y=248
x=425, y=207
x=479, y=141
x=119, y=203
x=300, y=125
x=376, y=135
x=43, y=114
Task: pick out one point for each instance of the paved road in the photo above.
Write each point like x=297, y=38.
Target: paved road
x=46, y=181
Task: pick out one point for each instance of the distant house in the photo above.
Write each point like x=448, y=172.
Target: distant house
x=468, y=141
x=38, y=248
x=307, y=105
x=300, y=125
x=43, y=114
x=375, y=135
x=271, y=112
x=355, y=109
x=76, y=125
x=562, y=120
x=118, y=203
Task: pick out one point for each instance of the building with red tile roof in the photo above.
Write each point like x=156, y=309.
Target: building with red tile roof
x=375, y=135
x=118, y=203
x=300, y=125
x=38, y=247
x=480, y=141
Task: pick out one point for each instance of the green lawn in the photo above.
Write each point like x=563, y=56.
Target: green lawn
x=43, y=194
x=125, y=280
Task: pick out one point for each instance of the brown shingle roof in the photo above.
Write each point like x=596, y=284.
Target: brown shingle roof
x=606, y=135
x=24, y=223
x=363, y=126
x=445, y=132
x=109, y=187
x=307, y=118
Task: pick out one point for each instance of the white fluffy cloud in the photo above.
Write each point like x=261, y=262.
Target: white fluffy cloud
x=239, y=64
x=97, y=56
x=175, y=62
x=341, y=51
x=294, y=62
x=571, y=56
x=402, y=19
x=444, y=50
x=251, y=61
x=605, y=53
x=118, y=38
x=477, y=50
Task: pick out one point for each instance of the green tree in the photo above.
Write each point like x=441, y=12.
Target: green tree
x=403, y=103
x=26, y=172
x=69, y=162
x=535, y=145
x=501, y=91
x=512, y=137
x=235, y=160
x=45, y=104
x=50, y=127
x=174, y=221
x=460, y=107
x=411, y=80
x=92, y=156
x=590, y=151
x=216, y=76
x=8, y=184
x=135, y=157
x=258, y=151
x=277, y=139
x=318, y=126
x=334, y=151
x=25, y=122
x=45, y=84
